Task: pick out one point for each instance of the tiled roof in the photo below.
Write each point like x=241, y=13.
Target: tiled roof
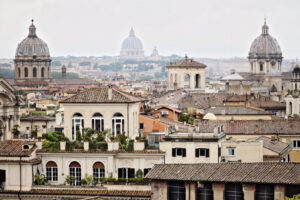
x=31, y=161
x=265, y=172
x=85, y=192
x=100, y=95
x=37, y=118
x=73, y=81
x=263, y=127
x=186, y=62
x=235, y=110
x=276, y=146
x=14, y=148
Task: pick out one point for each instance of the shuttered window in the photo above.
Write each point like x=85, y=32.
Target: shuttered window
x=178, y=152
x=201, y=152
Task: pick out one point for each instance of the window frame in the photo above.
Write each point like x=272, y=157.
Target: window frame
x=175, y=152
x=296, y=144
x=204, y=151
x=232, y=150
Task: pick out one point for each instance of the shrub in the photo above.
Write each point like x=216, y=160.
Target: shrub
x=39, y=179
x=139, y=174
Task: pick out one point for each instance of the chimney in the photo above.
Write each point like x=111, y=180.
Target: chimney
x=109, y=92
x=86, y=145
x=62, y=145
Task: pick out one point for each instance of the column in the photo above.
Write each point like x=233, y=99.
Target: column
x=192, y=80
x=249, y=191
x=190, y=191
x=279, y=192
x=159, y=190
x=218, y=189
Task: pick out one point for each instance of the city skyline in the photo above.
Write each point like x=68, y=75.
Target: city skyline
x=172, y=26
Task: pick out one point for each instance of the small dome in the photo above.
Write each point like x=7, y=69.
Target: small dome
x=132, y=42
x=296, y=69
x=32, y=45
x=265, y=45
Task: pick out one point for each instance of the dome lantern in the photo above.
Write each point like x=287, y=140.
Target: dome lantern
x=32, y=30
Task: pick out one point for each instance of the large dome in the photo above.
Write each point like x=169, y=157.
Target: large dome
x=32, y=45
x=265, y=45
x=132, y=42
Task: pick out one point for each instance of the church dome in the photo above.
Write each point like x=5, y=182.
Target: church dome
x=32, y=45
x=265, y=45
x=132, y=42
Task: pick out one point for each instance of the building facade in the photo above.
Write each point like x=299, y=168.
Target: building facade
x=101, y=109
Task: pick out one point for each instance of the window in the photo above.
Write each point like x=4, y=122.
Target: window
x=26, y=72
x=146, y=170
x=296, y=143
x=126, y=173
x=230, y=151
x=178, y=152
x=261, y=67
x=264, y=192
x=77, y=124
x=51, y=171
x=98, y=122
x=176, y=190
x=43, y=72
x=234, y=191
x=117, y=124
x=75, y=171
x=19, y=73
x=204, y=191
x=202, y=152
x=34, y=72
x=141, y=126
x=98, y=171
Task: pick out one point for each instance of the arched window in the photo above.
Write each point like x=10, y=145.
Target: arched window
x=197, y=81
x=43, y=72
x=75, y=171
x=34, y=72
x=19, y=72
x=98, y=171
x=98, y=122
x=186, y=81
x=26, y=72
x=291, y=108
x=51, y=171
x=117, y=124
x=261, y=67
x=77, y=124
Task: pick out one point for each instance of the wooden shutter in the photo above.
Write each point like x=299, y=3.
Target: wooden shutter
x=131, y=173
x=183, y=152
x=207, y=153
x=197, y=153
x=174, y=152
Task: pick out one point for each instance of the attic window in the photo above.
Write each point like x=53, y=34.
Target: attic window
x=25, y=147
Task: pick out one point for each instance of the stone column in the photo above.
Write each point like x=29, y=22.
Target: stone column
x=218, y=189
x=279, y=192
x=159, y=190
x=190, y=191
x=192, y=81
x=249, y=191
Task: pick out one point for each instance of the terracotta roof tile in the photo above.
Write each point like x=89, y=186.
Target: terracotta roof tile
x=14, y=148
x=264, y=172
x=186, y=62
x=100, y=95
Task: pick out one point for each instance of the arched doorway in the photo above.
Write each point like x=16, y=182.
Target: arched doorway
x=117, y=124
x=75, y=171
x=98, y=171
x=98, y=122
x=77, y=124
x=51, y=171
x=291, y=109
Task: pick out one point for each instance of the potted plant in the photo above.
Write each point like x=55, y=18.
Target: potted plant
x=15, y=131
x=138, y=139
x=39, y=139
x=112, y=138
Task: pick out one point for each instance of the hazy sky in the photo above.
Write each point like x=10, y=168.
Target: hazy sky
x=200, y=28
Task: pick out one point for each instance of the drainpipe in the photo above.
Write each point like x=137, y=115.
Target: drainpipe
x=20, y=178
x=127, y=119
